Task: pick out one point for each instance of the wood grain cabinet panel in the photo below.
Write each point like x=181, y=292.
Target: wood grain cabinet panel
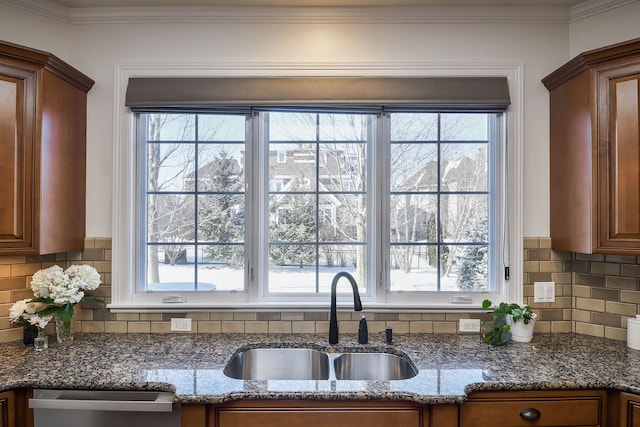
x=7, y=409
x=43, y=111
x=629, y=410
x=595, y=151
x=319, y=414
x=620, y=156
x=193, y=415
x=540, y=409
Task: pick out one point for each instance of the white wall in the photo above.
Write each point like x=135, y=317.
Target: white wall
x=613, y=26
x=95, y=49
x=541, y=48
x=27, y=29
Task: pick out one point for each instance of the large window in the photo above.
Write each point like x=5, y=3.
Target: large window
x=442, y=202
x=318, y=215
x=194, y=211
x=266, y=207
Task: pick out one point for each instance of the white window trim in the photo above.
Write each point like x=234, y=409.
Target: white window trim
x=124, y=256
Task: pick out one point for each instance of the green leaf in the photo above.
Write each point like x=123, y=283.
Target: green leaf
x=486, y=304
x=89, y=298
x=50, y=310
x=505, y=336
x=500, y=320
x=66, y=313
x=497, y=337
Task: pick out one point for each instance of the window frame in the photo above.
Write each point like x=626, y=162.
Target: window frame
x=125, y=299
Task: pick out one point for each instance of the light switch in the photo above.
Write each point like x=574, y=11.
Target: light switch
x=544, y=291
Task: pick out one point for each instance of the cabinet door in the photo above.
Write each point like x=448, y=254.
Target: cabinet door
x=193, y=415
x=17, y=115
x=619, y=157
x=7, y=409
x=629, y=410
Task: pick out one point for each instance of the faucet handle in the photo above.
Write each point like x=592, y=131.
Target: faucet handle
x=388, y=335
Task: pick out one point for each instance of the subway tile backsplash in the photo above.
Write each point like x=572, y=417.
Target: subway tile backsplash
x=595, y=294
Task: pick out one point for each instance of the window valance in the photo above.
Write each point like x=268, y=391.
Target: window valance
x=488, y=94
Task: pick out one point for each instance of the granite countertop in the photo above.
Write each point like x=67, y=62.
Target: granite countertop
x=450, y=366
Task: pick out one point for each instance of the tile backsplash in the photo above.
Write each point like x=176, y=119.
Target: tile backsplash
x=595, y=294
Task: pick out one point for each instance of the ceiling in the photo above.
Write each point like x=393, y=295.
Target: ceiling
x=314, y=3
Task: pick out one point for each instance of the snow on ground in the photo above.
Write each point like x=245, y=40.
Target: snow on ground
x=286, y=279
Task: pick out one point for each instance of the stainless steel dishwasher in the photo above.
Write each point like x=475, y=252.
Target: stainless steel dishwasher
x=93, y=408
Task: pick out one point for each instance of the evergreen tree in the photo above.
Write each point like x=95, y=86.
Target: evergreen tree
x=222, y=214
x=295, y=226
x=473, y=263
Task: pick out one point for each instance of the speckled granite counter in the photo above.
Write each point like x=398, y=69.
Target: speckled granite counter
x=450, y=366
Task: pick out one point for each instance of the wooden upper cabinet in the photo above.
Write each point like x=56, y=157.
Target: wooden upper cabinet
x=43, y=110
x=595, y=151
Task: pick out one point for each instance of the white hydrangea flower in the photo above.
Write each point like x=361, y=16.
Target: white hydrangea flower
x=38, y=321
x=45, y=279
x=61, y=287
x=83, y=277
x=65, y=293
x=18, y=309
x=27, y=310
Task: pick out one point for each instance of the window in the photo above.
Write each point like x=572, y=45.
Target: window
x=314, y=206
x=441, y=202
x=324, y=230
x=259, y=207
x=194, y=211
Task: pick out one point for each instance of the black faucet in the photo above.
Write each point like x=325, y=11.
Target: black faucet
x=357, y=304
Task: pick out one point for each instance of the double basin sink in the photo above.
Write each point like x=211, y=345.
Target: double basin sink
x=312, y=364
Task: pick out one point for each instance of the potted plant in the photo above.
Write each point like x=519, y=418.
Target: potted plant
x=510, y=322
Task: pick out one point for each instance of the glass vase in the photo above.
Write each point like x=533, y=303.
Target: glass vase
x=29, y=332
x=41, y=341
x=64, y=330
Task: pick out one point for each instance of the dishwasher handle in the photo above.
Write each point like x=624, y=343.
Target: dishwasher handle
x=88, y=400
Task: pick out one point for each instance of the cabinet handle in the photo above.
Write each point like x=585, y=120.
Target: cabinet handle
x=530, y=414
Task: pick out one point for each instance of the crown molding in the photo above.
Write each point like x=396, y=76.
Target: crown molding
x=318, y=15
x=314, y=69
x=595, y=7
x=41, y=7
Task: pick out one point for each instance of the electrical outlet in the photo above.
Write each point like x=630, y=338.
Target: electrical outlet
x=469, y=325
x=181, y=324
x=544, y=291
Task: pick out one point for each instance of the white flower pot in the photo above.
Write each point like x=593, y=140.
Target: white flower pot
x=521, y=332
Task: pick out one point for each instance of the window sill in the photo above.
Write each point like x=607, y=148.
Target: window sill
x=283, y=307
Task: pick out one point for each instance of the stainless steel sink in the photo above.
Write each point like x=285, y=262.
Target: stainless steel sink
x=372, y=367
x=310, y=364
x=279, y=364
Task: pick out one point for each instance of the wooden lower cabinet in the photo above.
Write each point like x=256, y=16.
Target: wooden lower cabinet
x=318, y=414
x=629, y=410
x=7, y=409
x=535, y=408
x=193, y=415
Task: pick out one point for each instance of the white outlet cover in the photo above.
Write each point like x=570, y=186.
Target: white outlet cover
x=469, y=325
x=181, y=324
x=544, y=292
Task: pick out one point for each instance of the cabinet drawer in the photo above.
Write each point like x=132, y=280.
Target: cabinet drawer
x=555, y=412
x=318, y=418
